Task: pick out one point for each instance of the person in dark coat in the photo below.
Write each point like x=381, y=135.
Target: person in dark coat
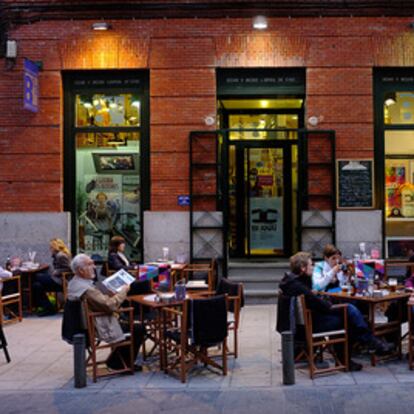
x=324, y=318
x=117, y=259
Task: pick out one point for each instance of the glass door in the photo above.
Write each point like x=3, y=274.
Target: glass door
x=260, y=199
x=263, y=174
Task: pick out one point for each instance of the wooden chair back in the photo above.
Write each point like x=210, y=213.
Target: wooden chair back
x=207, y=271
x=190, y=341
x=11, y=300
x=235, y=298
x=66, y=277
x=324, y=340
x=96, y=345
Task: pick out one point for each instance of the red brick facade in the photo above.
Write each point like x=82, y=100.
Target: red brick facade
x=339, y=54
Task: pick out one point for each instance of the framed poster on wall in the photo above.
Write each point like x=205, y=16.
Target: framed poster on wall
x=355, y=183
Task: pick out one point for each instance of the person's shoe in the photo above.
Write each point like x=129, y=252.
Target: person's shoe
x=354, y=366
x=379, y=347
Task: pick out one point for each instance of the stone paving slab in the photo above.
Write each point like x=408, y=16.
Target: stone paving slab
x=41, y=360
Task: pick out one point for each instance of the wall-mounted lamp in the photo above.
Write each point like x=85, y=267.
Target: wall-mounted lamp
x=389, y=101
x=101, y=26
x=10, y=54
x=11, y=49
x=260, y=22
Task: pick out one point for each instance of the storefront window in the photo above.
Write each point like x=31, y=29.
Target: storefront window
x=102, y=110
x=266, y=122
x=108, y=191
x=399, y=182
x=399, y=108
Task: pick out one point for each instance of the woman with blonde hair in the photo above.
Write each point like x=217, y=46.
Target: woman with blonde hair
x=52, y=280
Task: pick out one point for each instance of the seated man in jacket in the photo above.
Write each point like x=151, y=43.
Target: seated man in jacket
x=299, y=282
x=81, y=287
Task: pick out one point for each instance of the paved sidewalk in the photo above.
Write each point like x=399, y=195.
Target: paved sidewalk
x=40, y=376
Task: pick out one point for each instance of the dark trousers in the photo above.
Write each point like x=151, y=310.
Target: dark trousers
x=357, y=327
x=44, y=283
x=114, y=360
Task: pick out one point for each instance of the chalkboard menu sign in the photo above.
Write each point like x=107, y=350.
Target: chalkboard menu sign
x=355, y=184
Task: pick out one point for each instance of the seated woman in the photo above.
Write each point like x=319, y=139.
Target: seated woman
x=116, y=257
x=328, y=274
x=52, y=280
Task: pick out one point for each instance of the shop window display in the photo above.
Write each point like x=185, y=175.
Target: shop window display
x=102, y=110
x=108, y=192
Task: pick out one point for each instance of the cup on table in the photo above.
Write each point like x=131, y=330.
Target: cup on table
x=392, y=283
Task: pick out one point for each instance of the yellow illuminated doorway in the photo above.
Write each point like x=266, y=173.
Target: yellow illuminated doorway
x=263, y=175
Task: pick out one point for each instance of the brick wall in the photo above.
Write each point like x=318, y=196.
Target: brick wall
x=182, y=55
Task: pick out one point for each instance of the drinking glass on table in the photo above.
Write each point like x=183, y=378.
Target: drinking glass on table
x=392, y=283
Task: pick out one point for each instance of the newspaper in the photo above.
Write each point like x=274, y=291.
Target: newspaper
x=117, y=280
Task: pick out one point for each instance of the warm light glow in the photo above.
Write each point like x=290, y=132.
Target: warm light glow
x=101, y=26
x=260, y=22
x=135, y=103
x=390, y=101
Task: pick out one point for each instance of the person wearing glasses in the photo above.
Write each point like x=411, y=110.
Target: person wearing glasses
x=82, y=287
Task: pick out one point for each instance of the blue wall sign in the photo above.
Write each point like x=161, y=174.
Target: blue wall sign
x=31, y=86
x=183, y=200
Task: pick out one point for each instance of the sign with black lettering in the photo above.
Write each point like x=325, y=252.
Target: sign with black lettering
x=355, y=184
x=260, y=81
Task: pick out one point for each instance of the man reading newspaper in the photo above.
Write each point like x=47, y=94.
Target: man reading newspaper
x=81, y=287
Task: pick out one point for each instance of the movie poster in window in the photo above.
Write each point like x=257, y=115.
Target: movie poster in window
x=103, y=204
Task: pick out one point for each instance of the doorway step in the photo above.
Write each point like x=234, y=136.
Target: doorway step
x=260, y=278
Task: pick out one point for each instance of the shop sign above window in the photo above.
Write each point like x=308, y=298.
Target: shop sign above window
x=31, y=86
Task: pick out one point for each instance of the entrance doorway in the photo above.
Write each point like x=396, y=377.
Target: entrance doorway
x=262, y=174
x=261, y=180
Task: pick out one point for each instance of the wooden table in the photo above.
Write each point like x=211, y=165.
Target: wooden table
x=147, y=300
x=27, y=281
x=393, y=327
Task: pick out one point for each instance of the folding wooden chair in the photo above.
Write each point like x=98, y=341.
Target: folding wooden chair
x=96, y=345
x=66, y=276
x=198, y=271
x=10, y=299
x=3, y=344
x=235, y=298
x=324, y=340
x=202, y=324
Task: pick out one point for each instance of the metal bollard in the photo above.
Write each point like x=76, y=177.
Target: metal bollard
x=288, y=358
x=79, y=360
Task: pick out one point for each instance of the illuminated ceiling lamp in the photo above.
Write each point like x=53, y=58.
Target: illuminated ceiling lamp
x=101, y=26
x=390, y=100
x=259, y=22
